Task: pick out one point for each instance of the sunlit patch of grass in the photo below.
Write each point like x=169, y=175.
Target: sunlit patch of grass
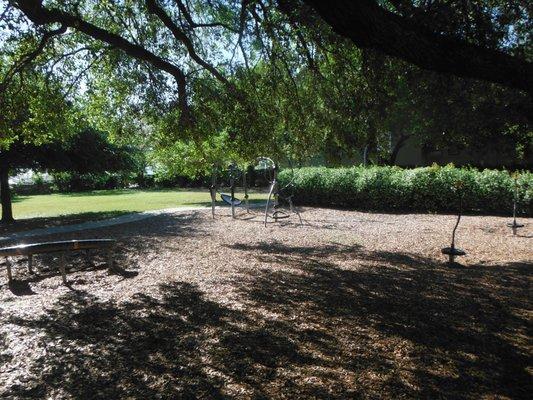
x=100, y=201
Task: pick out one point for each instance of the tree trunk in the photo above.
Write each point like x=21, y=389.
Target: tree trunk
x=5, y=196
x=399, y=144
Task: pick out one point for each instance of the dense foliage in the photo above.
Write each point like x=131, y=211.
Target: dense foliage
x=196, y=84
x=75, y=182
x=199, y=82
x=421, y=189
x=85, y=160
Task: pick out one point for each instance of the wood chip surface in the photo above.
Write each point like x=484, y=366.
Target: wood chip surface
x=346, y=305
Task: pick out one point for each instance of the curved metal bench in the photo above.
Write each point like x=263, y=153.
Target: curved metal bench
x=56, y=247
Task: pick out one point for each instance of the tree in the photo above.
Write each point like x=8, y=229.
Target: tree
x=261, y=70
x=86, y=152
x=414, y=33
x=403, y=29
x=32, y=113
x=401, y=104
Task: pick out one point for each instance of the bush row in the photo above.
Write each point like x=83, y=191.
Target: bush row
x=73, y=182
x=430, y=189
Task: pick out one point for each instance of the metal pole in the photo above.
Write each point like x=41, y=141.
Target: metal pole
x=232, y=185
x=514, y=205
x=268, y=200
x=213, y=191
x=8, y=268
x=62, y=268
x=30, y=263
x=514, y=200
x=245, y=184
x=452, y=253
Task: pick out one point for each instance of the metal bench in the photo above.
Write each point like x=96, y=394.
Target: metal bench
x=56, y=247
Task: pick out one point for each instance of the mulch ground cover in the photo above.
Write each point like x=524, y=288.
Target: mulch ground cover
x=347, y=305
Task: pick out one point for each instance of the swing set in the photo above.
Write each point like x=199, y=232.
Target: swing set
x=276, y=193
x=234, y=173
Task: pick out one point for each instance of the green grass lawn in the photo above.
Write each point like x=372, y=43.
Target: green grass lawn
x=112, y=202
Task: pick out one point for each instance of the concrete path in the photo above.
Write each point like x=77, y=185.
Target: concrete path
x=123, y=219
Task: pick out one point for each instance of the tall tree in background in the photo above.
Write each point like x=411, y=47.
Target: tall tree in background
x=88, y=151
x=180, y=37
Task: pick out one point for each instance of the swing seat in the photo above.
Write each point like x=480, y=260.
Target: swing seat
x=280, y=214
x=226, y=198
x=453, y=251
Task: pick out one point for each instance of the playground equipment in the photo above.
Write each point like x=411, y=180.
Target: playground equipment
x=453, y=251
x=234, y=173
x=514, y=225
x=273, y=208
x=275, y=193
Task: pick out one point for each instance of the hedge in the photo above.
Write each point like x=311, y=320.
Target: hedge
x=428, y=189
x=73, y=182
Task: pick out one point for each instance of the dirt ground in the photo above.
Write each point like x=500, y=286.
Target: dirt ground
x=347, y=305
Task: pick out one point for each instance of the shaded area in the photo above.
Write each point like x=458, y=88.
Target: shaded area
x=465, y=336
x=79, y=263
x=304, y=326
x=178, y=345
x=46, y=222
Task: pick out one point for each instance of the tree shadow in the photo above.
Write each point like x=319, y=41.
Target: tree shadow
x=146, y=240
x=400, y=326
x=461, y=324
x=76, y=263
x=176, y=345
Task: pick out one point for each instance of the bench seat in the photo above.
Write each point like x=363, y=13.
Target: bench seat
x=55, y=247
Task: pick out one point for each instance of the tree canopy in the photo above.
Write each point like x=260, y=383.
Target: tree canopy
x=202, y=80
x=87, y=151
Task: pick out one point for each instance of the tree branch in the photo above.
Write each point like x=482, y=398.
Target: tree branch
x=187, y=15
x=41, y=15
x=28, y=58
x=370, y=26
x=155, y=9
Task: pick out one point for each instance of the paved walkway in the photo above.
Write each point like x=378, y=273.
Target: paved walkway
x=123, y=219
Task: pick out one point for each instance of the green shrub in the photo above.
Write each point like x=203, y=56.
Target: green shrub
x=432, y=189
x=74, y=182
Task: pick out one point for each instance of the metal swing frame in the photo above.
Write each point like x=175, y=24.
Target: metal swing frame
x=234, y=175
x=274, y=194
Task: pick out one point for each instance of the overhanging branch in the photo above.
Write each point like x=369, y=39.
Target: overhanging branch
x=370, y=26
x=41, y=15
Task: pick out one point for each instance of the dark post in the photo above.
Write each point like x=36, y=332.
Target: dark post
x=232, y=184
x=232, y=172
x=62, y=268
x=213, y=190
x=453, y=251
x=245, y=184
x=515, y=225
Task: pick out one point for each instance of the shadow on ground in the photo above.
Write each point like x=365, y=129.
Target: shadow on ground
x=24, y=224
x=400, y=326
x=145, y=241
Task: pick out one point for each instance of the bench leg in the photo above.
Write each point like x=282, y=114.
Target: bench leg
x=30, y=263
x=62, y=268
x=110, y=258
x=8, y=268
